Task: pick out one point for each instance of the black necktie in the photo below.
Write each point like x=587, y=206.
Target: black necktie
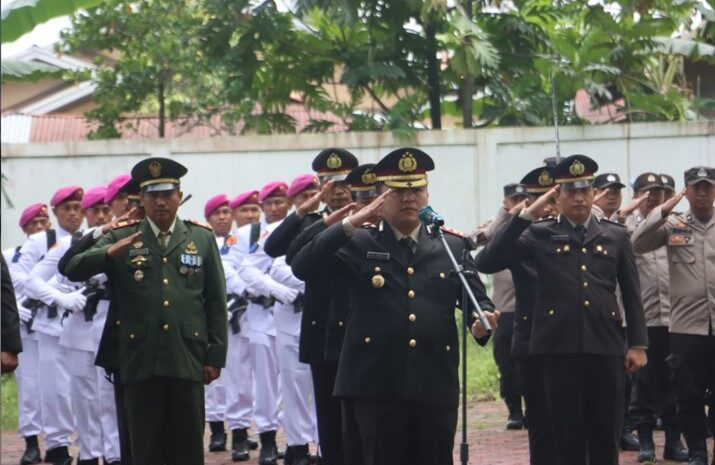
x=580, y=232
x=406, y=243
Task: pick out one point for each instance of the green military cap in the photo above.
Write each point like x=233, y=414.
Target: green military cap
x=157, y=174
x=575, y=172
x=405, y=167
x=362, y=181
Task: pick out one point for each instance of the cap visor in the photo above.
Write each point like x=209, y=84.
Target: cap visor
x=577, y=184
x=160, y=187
x=695, y=181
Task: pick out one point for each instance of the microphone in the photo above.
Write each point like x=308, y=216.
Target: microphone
x=430, y=217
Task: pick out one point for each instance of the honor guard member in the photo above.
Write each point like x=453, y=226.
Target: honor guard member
x=105, y=329
x=49, y=300
x=116, y=196
x=239, y=368
x=652, y=396
x=690, y=242
x=332, y=167
x=400, y=355
x=91, y=394
x=504, y=300
x=11, y=344
x=33, y=219
x=218, y=215
x=296, y=382
x=577, y=329
x=529, y=370
x=245, y=208
x=168, y=279
x=263, y=292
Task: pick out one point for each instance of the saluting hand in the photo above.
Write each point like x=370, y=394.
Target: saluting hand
x=635, y=360
x=211, y=374
x=600, y=196
x=516, y=209
x=374, y=209
x=121, y=245
x=339, y=215
x=536, y=209
x=670, y=204
x=313, y=203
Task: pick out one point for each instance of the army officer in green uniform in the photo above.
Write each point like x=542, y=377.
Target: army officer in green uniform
x=169, y=283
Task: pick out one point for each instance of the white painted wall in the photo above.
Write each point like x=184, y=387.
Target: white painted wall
x=471, y=165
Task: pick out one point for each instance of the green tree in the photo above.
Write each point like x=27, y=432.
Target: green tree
x=154, y=65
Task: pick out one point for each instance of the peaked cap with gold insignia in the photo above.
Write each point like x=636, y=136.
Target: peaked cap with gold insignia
x=405, y=167
x=575, y=172
x=157, y=174
x=334, y=164
x=362, y=181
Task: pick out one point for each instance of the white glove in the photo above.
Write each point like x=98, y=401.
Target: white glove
x=73, y=301
x=283, y=293
x=25, y=314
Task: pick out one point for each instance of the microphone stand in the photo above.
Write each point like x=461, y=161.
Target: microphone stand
x=467, y=299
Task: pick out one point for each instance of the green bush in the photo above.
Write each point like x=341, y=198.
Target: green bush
x=8, y=393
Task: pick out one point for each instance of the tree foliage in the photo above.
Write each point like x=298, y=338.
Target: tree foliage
x=399, y=65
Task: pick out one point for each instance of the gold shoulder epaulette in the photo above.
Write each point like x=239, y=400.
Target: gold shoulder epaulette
x=124, y=224
x=199, y=223
x=451, y=231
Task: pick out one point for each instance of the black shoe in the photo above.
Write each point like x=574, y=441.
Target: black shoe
x=697, y=448
x=629, y=441
x=646, y=452
x=674, y=449
x=253, y=445
x=316, y=460
x=116, y=462
x=269, y=449
x=58, y=456
x=516, y=417
x=300, y=455
x=217, y=443
x=88, y=462
x=239, y=445
x=32, y=452
x=281, y=453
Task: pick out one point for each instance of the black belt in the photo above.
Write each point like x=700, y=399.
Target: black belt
x=265, y=302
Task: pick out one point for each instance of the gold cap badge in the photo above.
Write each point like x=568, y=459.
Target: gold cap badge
x=155, y=169
x=369, y=178
x=577, y=168
x=407, y=163
x=334, y=162
x=545, y=179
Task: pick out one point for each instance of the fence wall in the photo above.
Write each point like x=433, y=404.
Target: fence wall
x=471, y=165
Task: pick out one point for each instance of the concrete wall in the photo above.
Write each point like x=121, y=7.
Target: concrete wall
x=471, y=165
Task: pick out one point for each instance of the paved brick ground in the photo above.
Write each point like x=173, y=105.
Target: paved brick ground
x=489, y=443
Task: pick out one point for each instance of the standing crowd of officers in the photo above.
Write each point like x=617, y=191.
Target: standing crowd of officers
x=338, y=325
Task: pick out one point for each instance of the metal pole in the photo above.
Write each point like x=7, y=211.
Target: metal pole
x=556, y=117
x=464, y=447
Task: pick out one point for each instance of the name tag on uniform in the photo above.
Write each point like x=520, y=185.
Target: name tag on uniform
x=135, y=252
x=560, y=238
x=677, y=240
x=684, y=231
x=378, y=255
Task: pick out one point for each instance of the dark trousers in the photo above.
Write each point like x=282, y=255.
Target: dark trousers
x=405, y=433
x=584, y=396
x=166, y=421
x=125, y=448
x=508, y=382
x=351, y=435
x=329, y=414
x=692, y=365
x=530, y=373
x=653, y=394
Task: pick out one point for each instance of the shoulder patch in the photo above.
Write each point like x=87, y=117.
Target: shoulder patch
x=123, y=224
x=198, y=223
x=451, y=231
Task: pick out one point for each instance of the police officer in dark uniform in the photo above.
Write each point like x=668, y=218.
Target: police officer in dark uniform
x=332, y=167
x=529, y=371
x=400, y=356
x=169, y=283
x=577, y=329
x=362, y=187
